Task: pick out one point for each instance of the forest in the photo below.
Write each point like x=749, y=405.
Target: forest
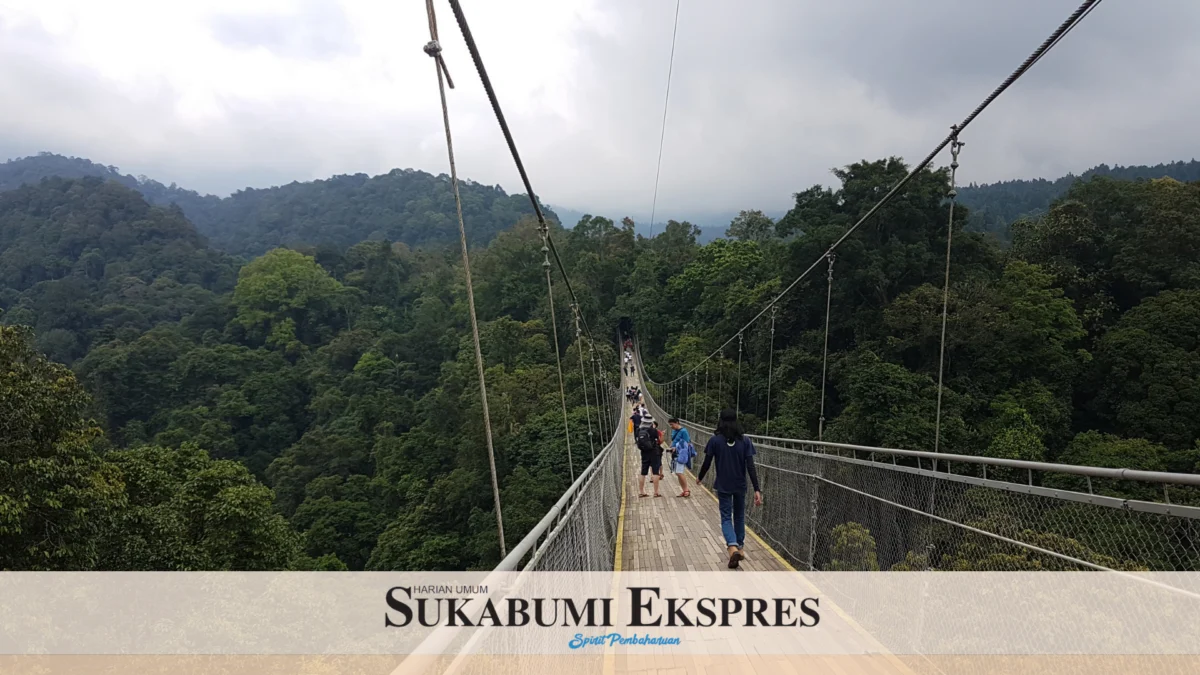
x=166, y=405
x=407, y=206
x=996, y=206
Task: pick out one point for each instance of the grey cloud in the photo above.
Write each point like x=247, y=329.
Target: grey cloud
x=315, y=29
x=767, y=96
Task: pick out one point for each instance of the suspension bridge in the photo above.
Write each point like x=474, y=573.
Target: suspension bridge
x=917, y=505
x=831, y=506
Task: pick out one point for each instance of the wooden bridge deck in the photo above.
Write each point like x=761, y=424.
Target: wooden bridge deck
x=677, y=533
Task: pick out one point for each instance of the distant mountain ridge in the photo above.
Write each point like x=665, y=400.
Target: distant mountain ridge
x=995, y=206
x=417, y=208
x=404, y=205
x=88, y=260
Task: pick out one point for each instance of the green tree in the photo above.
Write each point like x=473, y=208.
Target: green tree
x=55, y=491
x=1148, y=370
x=751, y=226
x=187, y=511
x=285, y=299
x=853, y=549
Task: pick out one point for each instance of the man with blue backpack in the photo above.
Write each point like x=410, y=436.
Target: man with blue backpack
x=682, y=452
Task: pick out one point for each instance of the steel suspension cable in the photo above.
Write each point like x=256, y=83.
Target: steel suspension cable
x=770, y=369
x=461, y=19
x=562, y=391
x=662, y=137
x=706, y=399
x=434, y=49
x=738, y=404
x=583, y=380
x=596, y=384
x=955, y=147
x=721, y=382
x=695, y=397
x=1065, y=27
x=825, y=352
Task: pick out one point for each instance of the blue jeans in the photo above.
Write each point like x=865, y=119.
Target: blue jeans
x=733, y=517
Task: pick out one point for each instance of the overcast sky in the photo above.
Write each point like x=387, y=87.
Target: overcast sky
x=767, y=95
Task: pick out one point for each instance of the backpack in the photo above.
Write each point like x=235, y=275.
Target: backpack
x=645, y=440
x=684, y=452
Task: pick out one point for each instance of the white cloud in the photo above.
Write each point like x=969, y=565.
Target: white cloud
x=767, y=94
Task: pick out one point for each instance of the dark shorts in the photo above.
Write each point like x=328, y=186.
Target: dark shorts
x=651, y=464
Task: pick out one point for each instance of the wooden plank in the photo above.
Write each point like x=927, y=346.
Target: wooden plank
x=678, y=533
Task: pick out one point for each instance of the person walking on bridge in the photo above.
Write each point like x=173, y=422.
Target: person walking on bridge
x=682, y=452
x=734, y=455
x=649, y=444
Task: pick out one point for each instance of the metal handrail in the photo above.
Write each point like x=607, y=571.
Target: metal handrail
x=1075, y=469
x=529, y=543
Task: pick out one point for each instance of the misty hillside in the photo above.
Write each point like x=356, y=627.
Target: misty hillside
x=995, y=206
x=404, y=205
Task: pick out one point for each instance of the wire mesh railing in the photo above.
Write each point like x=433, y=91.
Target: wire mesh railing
x=578, y=533
x=834, y=506
x=580, y=530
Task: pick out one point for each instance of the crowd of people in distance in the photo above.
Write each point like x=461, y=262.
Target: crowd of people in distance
x=729, y=449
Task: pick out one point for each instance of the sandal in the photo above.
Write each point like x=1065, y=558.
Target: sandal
x=643, y=495
x=687, y=493
x=657, y=495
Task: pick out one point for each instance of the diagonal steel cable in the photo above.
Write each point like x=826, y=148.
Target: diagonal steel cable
x=473, y=48
x=1055, y=37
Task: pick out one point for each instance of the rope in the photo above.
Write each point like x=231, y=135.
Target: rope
x=662, y=137
x=434, y=50
x=1067, y=25
x=955, y=146
x=770, y=368
x=562, y=391
x=825, y=354
x=583, y=379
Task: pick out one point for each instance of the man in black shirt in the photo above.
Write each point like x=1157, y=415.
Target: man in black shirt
x=734, y=455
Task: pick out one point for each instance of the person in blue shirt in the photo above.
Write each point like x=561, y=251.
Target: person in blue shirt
x=681, y=454
x=734, y=455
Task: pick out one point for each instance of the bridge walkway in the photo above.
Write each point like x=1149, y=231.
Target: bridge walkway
x=679, y=533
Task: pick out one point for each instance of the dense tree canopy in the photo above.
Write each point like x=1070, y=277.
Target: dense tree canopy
x=1087, y=324
x=316, y=406
x=996, y=206
x=312, y=408
x=404, y=205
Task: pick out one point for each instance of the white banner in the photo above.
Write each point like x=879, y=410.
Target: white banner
x=572, y=613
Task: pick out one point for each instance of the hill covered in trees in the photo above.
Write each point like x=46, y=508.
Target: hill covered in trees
x=404, y=205
x=315, y=407
x=311, y=408
x=1076, y=344
x=996, y=206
